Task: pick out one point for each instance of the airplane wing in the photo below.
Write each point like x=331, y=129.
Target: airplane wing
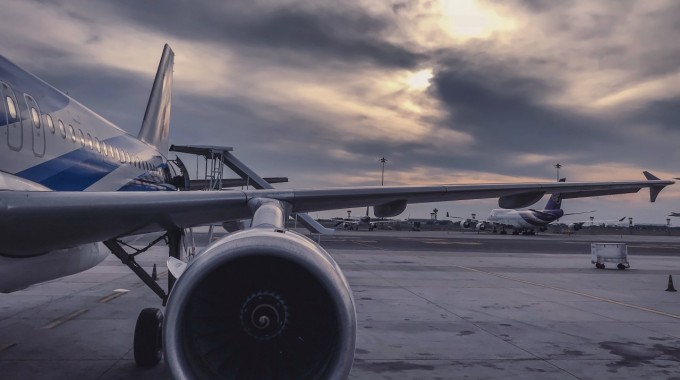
x=596, y=221
x=33, y=222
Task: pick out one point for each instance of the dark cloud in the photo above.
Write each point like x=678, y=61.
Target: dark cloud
x=498, y=95
x=346, y=34
x=118, y=96
x=505, y=110
x=663, y=113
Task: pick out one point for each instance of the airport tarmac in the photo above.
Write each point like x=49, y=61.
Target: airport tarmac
x=430, y=305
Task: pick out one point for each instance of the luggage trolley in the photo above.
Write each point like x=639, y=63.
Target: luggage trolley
x=609, y=252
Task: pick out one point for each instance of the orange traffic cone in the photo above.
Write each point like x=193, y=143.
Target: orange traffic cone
x=670, y=284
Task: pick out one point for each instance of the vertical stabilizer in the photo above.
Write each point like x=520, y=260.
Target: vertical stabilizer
x=156, y=124
x=555, y=201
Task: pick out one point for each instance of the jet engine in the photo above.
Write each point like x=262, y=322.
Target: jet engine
x=481, y=226
x=261, y=304
x=466, y=224
x=574, y=226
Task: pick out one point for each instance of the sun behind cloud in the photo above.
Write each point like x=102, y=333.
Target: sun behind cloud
x=419, y=80
x=467, y=19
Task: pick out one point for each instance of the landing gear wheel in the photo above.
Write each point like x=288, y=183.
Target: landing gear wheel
x=599, y=265
x=148, y=344
x=621, y=266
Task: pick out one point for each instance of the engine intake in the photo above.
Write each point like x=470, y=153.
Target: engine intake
x=261, y=304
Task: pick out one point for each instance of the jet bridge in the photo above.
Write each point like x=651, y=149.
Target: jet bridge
x=217, y=157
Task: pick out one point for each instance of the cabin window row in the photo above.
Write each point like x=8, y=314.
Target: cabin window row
x=80, y=137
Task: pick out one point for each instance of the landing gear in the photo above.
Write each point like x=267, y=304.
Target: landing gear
x=148, y=344
x=621, y=266
x=599, y=265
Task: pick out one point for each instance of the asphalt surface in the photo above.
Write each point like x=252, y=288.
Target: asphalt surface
x=430, y=305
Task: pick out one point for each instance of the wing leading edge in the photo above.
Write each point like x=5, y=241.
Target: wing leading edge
x=65, y=219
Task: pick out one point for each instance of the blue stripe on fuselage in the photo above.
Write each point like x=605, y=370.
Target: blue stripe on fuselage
x=73, y=171
x=81, y=168
x=544, y=216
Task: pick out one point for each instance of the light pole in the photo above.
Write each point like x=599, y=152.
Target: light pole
x=435, y=211
x=382, y=175
x=558, y=166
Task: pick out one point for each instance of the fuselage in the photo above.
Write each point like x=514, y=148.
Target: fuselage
x=49, y=138
x=524, y=218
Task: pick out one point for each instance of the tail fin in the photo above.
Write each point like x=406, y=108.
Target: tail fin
x=555, y=201
x=156, y=124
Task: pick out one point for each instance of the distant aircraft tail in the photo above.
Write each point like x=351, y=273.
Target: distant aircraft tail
x=156, y=124
x=555, y=201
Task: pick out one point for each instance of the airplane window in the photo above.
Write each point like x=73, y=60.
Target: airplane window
x=50, y=123
x=72, y=133
x=62, y=130
x=104, y=149
x=89, y=141
x=81, y=137
x=97, y=145
x=35, y=117
x=11, y=107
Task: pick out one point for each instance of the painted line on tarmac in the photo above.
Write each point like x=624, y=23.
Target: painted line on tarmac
x=367, y=245
x=453, y=242
x=7, y=346
x=657, y=312
x=61, y=320
x=654, y=246
x=116, y=293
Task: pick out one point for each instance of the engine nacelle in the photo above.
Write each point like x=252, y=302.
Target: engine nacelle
x=466, y=224
x=574, y=226
x=481, y=226
x=261, y=304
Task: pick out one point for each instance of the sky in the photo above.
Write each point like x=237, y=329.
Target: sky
x=457, y=91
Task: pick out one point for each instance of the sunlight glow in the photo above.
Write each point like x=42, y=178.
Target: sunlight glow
x=466, y=19
x=419, y=80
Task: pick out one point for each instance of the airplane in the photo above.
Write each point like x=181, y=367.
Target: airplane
x=261, y=302
x=526, y=222
x=354, y=223
x=675, y=214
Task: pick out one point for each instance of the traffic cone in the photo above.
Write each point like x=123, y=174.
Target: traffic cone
x=154, y=275
x=670, y=284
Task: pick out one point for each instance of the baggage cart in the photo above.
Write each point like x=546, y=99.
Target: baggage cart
x=609, y=252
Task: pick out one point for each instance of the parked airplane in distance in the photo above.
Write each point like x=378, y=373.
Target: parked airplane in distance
x=263, y=302
x=676, y=214
x=366, y=220
x=526, y=222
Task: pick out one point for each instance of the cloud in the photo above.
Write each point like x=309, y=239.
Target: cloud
x=319, y=91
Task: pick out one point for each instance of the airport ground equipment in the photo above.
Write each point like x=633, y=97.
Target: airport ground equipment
x=609, y=252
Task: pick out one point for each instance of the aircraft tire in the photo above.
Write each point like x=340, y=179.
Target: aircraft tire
x=621, y=266
x=148, y=345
